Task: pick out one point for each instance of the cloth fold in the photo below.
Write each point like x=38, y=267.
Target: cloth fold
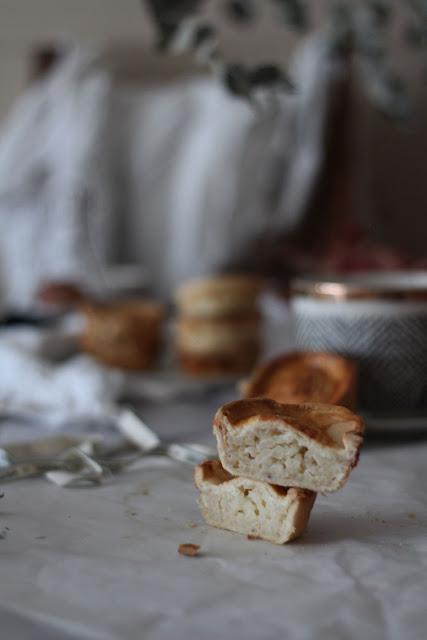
x=55, y=191
x=183, y=178
x=79, y=387
x=209, y=174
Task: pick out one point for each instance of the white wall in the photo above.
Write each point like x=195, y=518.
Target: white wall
x=25, y=23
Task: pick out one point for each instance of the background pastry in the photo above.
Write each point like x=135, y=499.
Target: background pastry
x=218, y=330
x=221, y=295
x=125, y=335
x=305, y=376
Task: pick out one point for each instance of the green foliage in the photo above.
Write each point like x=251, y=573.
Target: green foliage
x=294, y=13
x=169, y=15
x=416, y=35
x=359, y=29
x=382, y=12
x=236, y=79
x=240, y=11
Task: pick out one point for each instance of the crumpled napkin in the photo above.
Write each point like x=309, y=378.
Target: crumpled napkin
x=30, y=383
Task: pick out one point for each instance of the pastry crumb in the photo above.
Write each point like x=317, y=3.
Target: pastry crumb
x=252, y=537
x=188, y=549
x=192, y=525
x=412, y=515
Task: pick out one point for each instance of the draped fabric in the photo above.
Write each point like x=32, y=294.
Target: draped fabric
x=180, y=178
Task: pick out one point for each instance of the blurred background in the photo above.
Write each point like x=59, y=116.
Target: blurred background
x=282, y=139
x=114, y=153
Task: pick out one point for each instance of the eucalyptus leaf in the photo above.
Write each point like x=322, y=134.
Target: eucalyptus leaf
x=387, y=91
x=194, y=37
x=241, y=11
x=237, y=79
x=382, y=11
x=294, y=13
x=357, y=29
x=175, y=11
x=416, y=35
x=269, y=75
x=341, y=28
x=168, y=17
x=202, y=34
x=420, y=6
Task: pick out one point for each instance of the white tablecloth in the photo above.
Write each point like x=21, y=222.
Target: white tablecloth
x=102, y=562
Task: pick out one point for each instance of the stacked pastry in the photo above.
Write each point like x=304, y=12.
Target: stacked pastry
x=218, y=328
x=274, y=458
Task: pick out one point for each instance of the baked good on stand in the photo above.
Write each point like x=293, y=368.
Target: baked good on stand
x=218, y=330
x=218, y=296
x=219, y=345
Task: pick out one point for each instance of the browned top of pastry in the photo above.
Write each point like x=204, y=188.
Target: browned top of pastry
x=221, y=295
x=306, y=376
x=328, y=424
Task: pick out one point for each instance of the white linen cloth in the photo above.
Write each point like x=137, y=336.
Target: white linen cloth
x=32, y=382
x=209, y=174
x=80, y=564
x=193, y=174
x=55, y=200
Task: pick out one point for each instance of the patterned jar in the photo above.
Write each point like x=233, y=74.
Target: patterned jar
x=379, y=320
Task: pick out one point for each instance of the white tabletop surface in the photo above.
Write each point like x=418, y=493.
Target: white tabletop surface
x=102, y=562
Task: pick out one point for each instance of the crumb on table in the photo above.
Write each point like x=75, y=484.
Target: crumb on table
x=188, y=549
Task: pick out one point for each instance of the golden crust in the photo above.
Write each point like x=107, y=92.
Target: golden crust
x=234, y=322
x=218, y=295
x=329, y=425
x=305, y=377
x=211, y=471
x=218, y=284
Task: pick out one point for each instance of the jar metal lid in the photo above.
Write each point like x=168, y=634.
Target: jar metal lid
x=368, y=285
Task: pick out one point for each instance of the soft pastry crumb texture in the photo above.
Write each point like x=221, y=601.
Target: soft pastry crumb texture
x=253, y=508
x=269, y=452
